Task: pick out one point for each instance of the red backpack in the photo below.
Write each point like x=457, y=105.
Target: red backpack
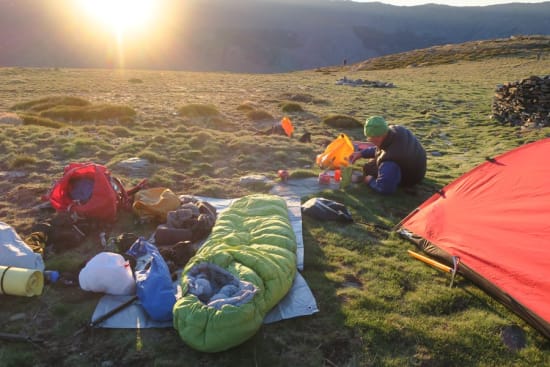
x=88, y=191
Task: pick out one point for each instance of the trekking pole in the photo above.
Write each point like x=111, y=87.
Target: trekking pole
x=105, y=316
x=21, y=338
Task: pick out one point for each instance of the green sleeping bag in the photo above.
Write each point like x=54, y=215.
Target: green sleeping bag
x=245, y=267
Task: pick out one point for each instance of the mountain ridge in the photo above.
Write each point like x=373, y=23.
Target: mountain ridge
x=264, y=37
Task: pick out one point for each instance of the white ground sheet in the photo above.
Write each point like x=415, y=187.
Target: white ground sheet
x=299, y=301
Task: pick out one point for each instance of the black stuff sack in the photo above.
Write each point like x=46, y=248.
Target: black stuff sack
x=324, y=209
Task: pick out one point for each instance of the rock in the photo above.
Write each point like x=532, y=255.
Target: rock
x=525, y=102
x=134, y=163
x=513, y=337
x=17, y=316
x=13, y=174
x=253, y=179
x=368, y=83
x=10, y=118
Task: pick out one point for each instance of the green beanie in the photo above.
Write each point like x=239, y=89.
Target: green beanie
x=375, y=126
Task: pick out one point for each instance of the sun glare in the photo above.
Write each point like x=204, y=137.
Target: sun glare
x=120, y=16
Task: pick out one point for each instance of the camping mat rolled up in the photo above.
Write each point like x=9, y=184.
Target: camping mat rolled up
x=20, y=281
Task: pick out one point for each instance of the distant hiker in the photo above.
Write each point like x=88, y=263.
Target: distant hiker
x=345, y=62
x=398, y=157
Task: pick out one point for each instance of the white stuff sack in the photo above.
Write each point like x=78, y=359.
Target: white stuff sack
x=15, y=252
x=108, y=272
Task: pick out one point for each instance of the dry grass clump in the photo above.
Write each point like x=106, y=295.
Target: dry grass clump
x=21, y=160
x=206, y=116
x=152, y=157
x=259, y=115
x=29, y=119
x=247, y=106
x=194, y=110
x=46, y=103
x=121, y=131
x=67, y=108
x=341, y=121
x=291, y=107
x=89, y=113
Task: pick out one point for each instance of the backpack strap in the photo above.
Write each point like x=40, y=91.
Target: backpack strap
x=126, y=197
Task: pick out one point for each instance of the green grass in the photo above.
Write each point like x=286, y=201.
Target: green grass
x=378, y=307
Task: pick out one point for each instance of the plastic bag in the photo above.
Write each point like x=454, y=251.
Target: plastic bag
x=108, y=272
x=153, y=281
x=336, y=154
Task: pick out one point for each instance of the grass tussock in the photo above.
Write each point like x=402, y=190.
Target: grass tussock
x=259, y=115
x=101, y=112
x=152, y=156
x=70, y=109
x=42, y=104
x=29, y=119
x=291, y=107
x=22, y=160
x=341, y=121
x=198, y=110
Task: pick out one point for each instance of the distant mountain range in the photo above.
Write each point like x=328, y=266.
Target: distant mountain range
x=254, y=36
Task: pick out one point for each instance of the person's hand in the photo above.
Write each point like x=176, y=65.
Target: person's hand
x=354, y=156
x=368, y=179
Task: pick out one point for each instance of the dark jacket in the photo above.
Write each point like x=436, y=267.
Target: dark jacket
x=403, y=148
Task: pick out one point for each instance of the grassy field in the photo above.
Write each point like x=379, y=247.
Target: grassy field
x=378, y=307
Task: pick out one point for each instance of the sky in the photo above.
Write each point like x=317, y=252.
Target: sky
x=450, y=2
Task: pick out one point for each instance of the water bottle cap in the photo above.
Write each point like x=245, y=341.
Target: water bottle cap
x=51, y=275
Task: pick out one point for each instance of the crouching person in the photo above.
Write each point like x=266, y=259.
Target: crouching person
x=397, y=157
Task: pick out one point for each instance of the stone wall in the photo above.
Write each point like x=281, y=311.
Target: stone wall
x=523, y=103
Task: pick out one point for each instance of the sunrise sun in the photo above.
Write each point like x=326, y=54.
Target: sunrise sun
x=120, y=16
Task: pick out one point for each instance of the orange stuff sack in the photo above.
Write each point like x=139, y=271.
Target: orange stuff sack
x=287, y=126
x=336, y=154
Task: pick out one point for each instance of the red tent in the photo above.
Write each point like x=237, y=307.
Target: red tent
x=496, y=220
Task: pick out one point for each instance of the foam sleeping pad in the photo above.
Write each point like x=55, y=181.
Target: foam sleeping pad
x=245, y=267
